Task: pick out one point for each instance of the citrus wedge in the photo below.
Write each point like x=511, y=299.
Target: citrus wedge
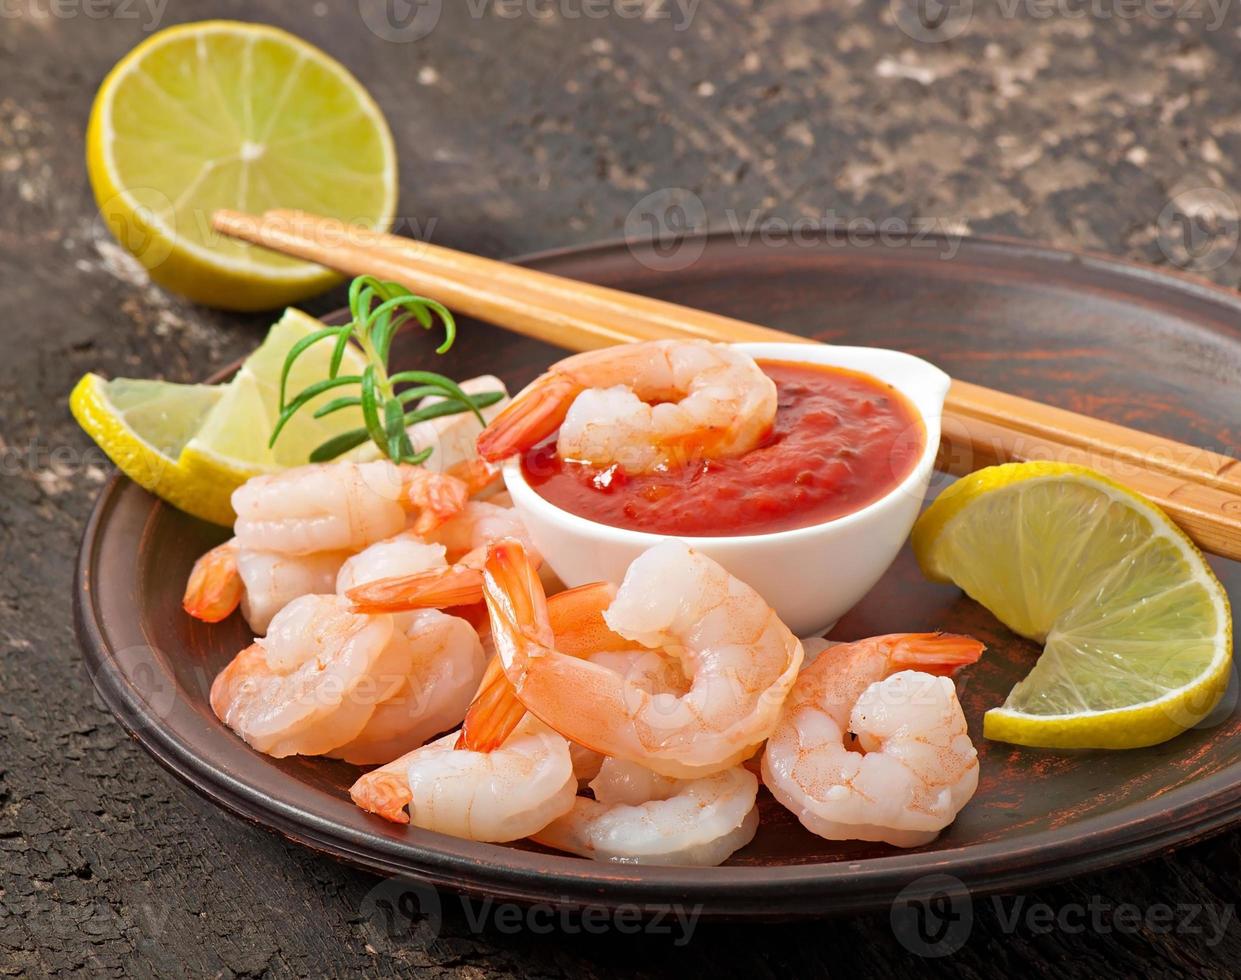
x=143, y=426
x=222, y=114
x=231, y=445
x=193, y=445
x=1136, y=630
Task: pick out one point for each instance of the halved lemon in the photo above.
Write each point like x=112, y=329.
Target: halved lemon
x=193, y=445
x=1136, y=629
x=222, y=114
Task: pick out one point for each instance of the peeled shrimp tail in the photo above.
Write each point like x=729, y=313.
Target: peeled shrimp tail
x=942, y=654
x=439, y=588
x=435, y=497
x=493, y=714
x=384, y=791
x=215, y=587
x=529, y=419
x=575, y=620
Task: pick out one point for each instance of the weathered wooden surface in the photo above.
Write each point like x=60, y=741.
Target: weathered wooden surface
x=519, y=133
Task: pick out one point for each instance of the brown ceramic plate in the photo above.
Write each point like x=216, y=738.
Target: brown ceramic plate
x=1122, y=342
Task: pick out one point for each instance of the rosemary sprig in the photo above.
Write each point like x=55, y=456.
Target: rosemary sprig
x=379, y=309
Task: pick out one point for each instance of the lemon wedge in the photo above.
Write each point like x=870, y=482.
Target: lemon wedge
x=222, y=114
x=193, y=445
x=1136, y=630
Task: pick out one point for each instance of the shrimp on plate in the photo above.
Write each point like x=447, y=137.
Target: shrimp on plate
x=642, y=407
x=738, y=660
x=342, y=506
x=640, y=817
x=502, y=795
x=445, y=669
x=365, y=688
x=313, y=682
x=295, y=529
x=872, y=743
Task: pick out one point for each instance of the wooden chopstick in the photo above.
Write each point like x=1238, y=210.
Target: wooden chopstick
x=1199, y=489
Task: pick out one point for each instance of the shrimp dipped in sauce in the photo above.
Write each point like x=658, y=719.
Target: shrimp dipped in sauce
x=872, y=744
x=641, y=406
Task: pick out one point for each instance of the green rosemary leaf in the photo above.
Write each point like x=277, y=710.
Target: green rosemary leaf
x=420, y=391
x=394, y=428
x=305, y=395
x=451, y=388
x=296, y=351
x=370, y=408
x=338, y=352
x=336, y=404
x=339, y=444
x=418, y=458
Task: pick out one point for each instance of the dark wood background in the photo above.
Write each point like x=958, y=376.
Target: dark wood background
x=1080, y=128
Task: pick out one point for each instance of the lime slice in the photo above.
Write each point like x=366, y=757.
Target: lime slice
x=193, y=445
x=232, y=442
x=143, y=426
x=1136, y=629
x=222, y=114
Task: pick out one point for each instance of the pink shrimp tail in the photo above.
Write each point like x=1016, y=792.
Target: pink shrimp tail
x=934, y=653
x=518, y=609
x=528, y=419
x=493, y=714
x=214, y=588
x=477, y=474
x=439, y=588
x=437, y=497
x=383, y=793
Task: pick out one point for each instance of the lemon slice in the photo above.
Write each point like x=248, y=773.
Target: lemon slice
x=231, y=445
x=193, y=445
x=1136, y=629
x=222, y=114
x=143, y=426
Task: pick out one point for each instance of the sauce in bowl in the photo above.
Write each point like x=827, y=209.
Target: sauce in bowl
x=841, y=440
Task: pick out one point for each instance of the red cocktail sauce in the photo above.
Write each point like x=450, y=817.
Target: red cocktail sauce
x=841, y=440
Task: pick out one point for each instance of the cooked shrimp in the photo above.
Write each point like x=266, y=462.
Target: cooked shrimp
x=641, y=407
x=503, y=795
x=342, y=506
x=313, y=683
x=871, y=745
x=273, y=581
x=446, y=663
x=739, y=661
x=261, y=582
x=400, y=555
x=639, y=817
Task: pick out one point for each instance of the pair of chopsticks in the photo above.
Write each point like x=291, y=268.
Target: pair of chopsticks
x=1199, y=489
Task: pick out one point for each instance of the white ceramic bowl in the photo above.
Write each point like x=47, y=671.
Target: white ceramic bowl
x=810, y=575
